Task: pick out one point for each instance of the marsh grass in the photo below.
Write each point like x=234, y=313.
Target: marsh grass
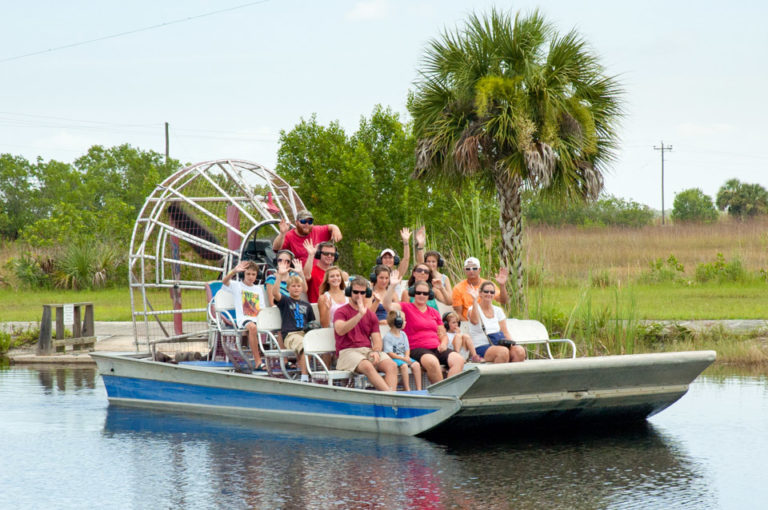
x=571, y=254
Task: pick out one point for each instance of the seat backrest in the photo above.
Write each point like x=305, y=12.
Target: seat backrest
x=383, y=329
x=526, y=330
x=224, y=300
x=211, y=288
x=319, y=341
x=269, y=319
x=316, y=310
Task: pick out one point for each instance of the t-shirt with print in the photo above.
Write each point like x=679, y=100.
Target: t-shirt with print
x=492, y=325
x=397, y=344
x=295, y=314
x=421, y=327
x=249, y=299
x=360, y=335
x=294, y=242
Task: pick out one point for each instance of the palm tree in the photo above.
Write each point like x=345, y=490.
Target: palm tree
x=512, y=104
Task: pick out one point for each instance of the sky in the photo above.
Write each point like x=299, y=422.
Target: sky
x=229, y=75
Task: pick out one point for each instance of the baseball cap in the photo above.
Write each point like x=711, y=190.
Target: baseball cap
x=472, y=261
x=387, y=250
x=303, y=214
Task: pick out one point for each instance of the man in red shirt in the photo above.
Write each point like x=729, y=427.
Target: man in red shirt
x=315, y=267
x=358, y=341
x=293, y=239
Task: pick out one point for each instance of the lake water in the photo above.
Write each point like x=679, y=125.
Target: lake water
x=61, y=446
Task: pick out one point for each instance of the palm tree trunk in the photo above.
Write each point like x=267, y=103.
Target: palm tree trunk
x=511, y=224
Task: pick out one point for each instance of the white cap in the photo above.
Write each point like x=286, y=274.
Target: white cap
x=388, y=250
x=471, y=261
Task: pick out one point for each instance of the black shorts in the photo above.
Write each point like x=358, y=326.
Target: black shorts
x=442, y=357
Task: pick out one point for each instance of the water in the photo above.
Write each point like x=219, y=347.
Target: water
x=61, y=446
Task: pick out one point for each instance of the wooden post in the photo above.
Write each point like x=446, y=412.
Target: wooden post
x=88, y=329
x=44, y=341
x=59, y=322
x=76, y=324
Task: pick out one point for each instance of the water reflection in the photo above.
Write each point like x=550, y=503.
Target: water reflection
x=262, y=466
x=63, y=378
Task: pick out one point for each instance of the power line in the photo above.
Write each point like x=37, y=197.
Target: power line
x=135, y=31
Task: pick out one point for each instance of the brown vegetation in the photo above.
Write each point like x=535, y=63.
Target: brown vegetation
x=569, y=255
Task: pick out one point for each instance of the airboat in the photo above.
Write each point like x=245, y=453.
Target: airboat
x=201, y=221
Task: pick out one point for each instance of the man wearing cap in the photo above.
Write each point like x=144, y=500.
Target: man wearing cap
x=462, y=299
x=293, y=239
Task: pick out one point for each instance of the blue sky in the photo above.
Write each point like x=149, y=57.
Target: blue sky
x=694, y=73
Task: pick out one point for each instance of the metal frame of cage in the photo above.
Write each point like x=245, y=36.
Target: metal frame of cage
x=155, y=233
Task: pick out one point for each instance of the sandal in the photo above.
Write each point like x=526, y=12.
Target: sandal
x=261, y=368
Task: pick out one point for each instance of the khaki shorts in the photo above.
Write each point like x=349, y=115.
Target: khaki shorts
x=350, y=358
x=294, y=341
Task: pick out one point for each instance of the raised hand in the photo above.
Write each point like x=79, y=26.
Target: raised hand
x=502, y=275
x=472, y=292
x=394, y=277
x=241, y=266
x=284, y=226
x=283, y=267
x=420, y=236
x=405, y=234
x=437, y=283
x=297, y=266
x=311, y=248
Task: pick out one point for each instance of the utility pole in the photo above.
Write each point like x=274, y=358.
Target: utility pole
x=166, y=143
x=662, y=149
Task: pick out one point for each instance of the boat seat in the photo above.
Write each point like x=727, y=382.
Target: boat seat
x=276, y=357
x=316, y=343
x=527, y=332
x=222, y=314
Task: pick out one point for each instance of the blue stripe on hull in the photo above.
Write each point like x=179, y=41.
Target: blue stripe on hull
x=162, y=391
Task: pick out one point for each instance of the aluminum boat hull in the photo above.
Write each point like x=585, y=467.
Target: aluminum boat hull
x=620, y=388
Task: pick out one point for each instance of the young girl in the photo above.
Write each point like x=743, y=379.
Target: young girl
x=461, y=343
x=332, y=295
x=396, y=345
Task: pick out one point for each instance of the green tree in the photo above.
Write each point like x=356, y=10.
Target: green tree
x=97, y=197
x=693, y=205
x=362, y=182
x=18, y=204
x=512, y=104
x=742, y=199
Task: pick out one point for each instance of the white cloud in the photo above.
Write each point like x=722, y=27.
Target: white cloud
x=369, y=10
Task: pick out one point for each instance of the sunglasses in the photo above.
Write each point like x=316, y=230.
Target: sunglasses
x=284, y=260
x=307, y=221
x=328, y=253
x=359, y=292
x=471, y=269
x=421, y=270
x=491, y=292
x=421, y=293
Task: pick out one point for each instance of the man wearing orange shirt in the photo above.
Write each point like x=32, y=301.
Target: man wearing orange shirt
x=462, y=299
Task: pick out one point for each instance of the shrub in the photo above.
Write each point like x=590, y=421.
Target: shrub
x=694, y=206
x=722, y=271
x=603, y=212
x=29, y=271
x=670, y=270
x=84, y=266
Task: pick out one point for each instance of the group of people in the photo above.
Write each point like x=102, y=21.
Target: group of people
x=418, y=337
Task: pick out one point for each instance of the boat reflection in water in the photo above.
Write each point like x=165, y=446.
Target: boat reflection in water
x=187, y=460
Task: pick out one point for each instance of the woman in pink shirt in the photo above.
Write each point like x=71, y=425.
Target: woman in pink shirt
x=425, y=331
